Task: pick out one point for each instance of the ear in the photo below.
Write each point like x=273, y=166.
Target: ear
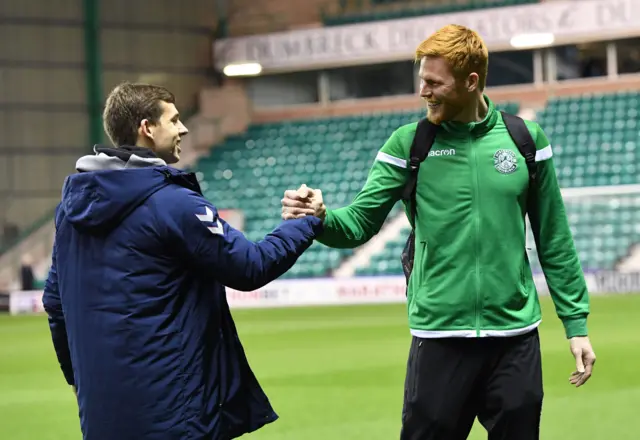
x=472, y=83
x=145, y=129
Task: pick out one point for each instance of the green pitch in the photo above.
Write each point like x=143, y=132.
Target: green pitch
x=336, y=373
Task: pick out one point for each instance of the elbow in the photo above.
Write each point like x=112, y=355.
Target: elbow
x=261, y=279
x=345, y=241
x=252, y=281
x=263, y=276
x=249, y=286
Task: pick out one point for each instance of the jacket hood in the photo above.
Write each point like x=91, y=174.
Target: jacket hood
x=110, y=185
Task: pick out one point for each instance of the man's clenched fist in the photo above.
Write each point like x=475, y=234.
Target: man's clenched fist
x=302, y=202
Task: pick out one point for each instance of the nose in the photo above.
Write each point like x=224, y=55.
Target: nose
x=183, y=129
x=425, y=91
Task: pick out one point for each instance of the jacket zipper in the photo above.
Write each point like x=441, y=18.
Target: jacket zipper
x=476, y=218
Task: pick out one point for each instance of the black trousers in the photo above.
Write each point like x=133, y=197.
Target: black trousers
x=452, y=381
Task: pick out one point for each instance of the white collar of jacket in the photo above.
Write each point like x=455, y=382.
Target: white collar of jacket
x=125, y=157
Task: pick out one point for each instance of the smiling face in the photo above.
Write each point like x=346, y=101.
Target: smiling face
x=144, y=115
x=165, y=134
x=446, y=95
x=453, y=71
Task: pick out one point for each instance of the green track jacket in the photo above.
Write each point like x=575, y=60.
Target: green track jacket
x=471, y=275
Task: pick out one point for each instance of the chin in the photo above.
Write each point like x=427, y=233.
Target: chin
x=174, y=158
x=171, y=156
x=434, y=119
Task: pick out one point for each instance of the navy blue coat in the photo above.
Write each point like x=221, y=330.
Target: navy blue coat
x=137, y=307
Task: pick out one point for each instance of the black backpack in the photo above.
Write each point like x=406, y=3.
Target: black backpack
x=422, y=143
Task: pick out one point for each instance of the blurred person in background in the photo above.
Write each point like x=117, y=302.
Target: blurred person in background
x=26, y=273
x=135, y=295
x=472, y=303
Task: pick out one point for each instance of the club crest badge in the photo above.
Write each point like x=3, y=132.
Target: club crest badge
x=505, y=161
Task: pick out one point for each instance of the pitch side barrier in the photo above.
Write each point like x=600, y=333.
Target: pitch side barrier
x=345, y=291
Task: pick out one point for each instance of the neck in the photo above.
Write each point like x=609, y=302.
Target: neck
x=475, y=111
x=143, y=142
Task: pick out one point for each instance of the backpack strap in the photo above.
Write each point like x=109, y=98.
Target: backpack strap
x=420, y=147
x=522, y=137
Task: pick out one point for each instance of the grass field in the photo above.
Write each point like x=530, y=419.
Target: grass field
x=336, y=373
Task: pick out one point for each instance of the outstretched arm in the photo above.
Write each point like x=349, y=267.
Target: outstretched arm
x=354, y=225
x=212, y=246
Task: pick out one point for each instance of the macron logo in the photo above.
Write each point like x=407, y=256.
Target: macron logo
x=449, y=152
x=207, y=217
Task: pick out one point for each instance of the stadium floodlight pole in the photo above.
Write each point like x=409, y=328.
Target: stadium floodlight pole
x=242, y=69
x=93, y=69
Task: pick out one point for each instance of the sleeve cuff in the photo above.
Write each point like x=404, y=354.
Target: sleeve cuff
x=326, y=225
x=575, y=327
x=317, y=225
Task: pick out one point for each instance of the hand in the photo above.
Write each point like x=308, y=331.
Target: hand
x=585, y=359
x=302, y=202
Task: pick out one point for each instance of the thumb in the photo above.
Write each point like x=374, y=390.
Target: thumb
x=304, y=191
x=579, y=361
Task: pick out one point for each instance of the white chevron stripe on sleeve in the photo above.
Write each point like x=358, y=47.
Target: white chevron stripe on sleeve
x=384, y=157
x=544, y=154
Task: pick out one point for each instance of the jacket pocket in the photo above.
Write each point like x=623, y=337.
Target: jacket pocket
x=523, y=280
x=419, y=263
x=522, y=289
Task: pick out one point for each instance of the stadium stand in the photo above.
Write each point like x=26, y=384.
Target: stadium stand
x=595, y=139
x=377, y=10
x=605, y=127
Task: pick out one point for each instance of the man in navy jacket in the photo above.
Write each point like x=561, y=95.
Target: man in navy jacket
x=136, y=291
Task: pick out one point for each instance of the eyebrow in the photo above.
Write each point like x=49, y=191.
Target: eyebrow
x=430, y=77
x=176, y=116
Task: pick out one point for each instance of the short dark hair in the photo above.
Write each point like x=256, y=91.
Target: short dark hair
x=127, y=105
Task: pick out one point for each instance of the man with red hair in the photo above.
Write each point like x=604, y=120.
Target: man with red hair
x=472, y=303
